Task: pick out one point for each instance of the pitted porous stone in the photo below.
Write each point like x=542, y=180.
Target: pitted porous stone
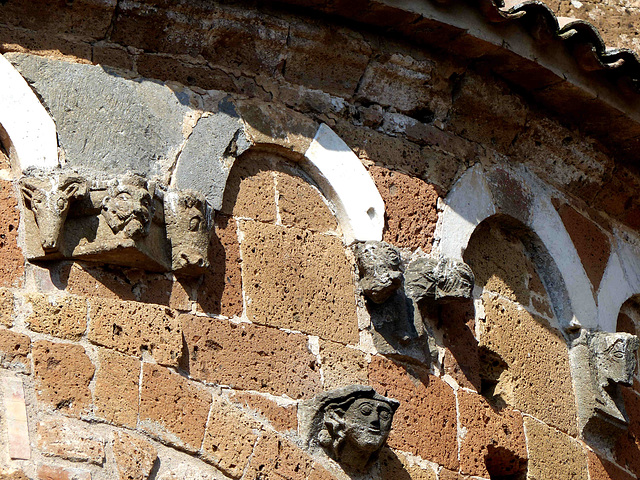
x=442, y=279
x=71, y=440
x=134, y=124
x=188, y=226
x=117, y=388
x=603, y=361
x=351, y=424
x=135, y=456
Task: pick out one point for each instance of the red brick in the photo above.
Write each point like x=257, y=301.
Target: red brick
x=133, y=328
x=221, y=289
x=410, y=208
x=250, y=357
x=425, y=424
x=14, y=348
x=116, y=388
x=71, y=440
x=173, y=409
x=280, y=417
x=592, y=244
x=494, y=444
x=135, y=456
x=11, y=258
x=63, y=373
x=299, y=280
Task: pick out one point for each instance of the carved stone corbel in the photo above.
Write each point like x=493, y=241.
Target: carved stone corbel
x=349, y=424
x=188, y=230
x=128, y=207
x=602, y=362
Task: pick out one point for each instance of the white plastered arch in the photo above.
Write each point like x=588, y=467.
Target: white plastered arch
x=471, y=201
x=30, y=130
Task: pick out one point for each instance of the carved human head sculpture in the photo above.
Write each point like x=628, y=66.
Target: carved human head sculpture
x=188, y=230
x=614, y=357
x=49, y=197
x=439, y=279
x=379, y=267
x=351, y=424
x=128, y=207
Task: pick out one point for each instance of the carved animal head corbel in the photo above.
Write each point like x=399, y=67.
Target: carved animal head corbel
x=379, y=267
x=49, y=199
x=441, y=280
x=188, y=228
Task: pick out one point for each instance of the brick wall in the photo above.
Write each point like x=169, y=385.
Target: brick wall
x=128, y=374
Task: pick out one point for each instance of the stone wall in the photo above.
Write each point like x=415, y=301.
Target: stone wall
x=112, y=372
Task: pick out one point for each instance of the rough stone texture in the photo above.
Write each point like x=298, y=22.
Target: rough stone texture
x=134, y=125
x=342, y=366
x=449, y=475
x=250, y=189
x=552, y=454
x=396, y=466
x=230, y=438
x=206, y=159
x=497, y=259
x=591, y=243
x=123, y=284
x=14, y=348
x=172, y=409
x=484, y=111
x=11, y=258
x=410, y=208
x=627, y=448
x=425, y=424
x=63, y=373
x=6, y=307
x=134, y=456
x=275, y=457
x=281, y=417
x=71, y=440
x=46, y=472
x=116, y=388
x=221, y=289
x=249, y=357
x=462, y=356
x=301, y=205
x=299, y=280
x=494, y=444
x=537, y=363
x=64, y=317
x=602, y=469
x=312, y=48
x=132, y=328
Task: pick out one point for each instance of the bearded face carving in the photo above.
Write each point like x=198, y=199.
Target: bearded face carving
x=128, y=207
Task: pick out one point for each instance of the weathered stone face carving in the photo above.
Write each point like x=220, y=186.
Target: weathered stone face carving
x=379, y=267
x=128, y=207
x=440, y=279
x=187, y=230
x=49, y=198
x=351, y=424
x=603, y=361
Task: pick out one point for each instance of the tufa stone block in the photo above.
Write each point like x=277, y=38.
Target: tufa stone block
x=71, y=440
x=63, y=373
x=116, y=388
x=602, y=469
x=46, y=472
x=11, y=258
x=64, y=317
x=14, y=350
x=281, y=417
x=6, y=307
x=135, y=456
x=172, y=409
x=395, y=465
x=276, y=457
x=249, y=357
x=132, y=328
x=342, y=366
x=553, y=454
x=299, y=280
x=410, y=208
x=425, y=423
x=230, y=438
